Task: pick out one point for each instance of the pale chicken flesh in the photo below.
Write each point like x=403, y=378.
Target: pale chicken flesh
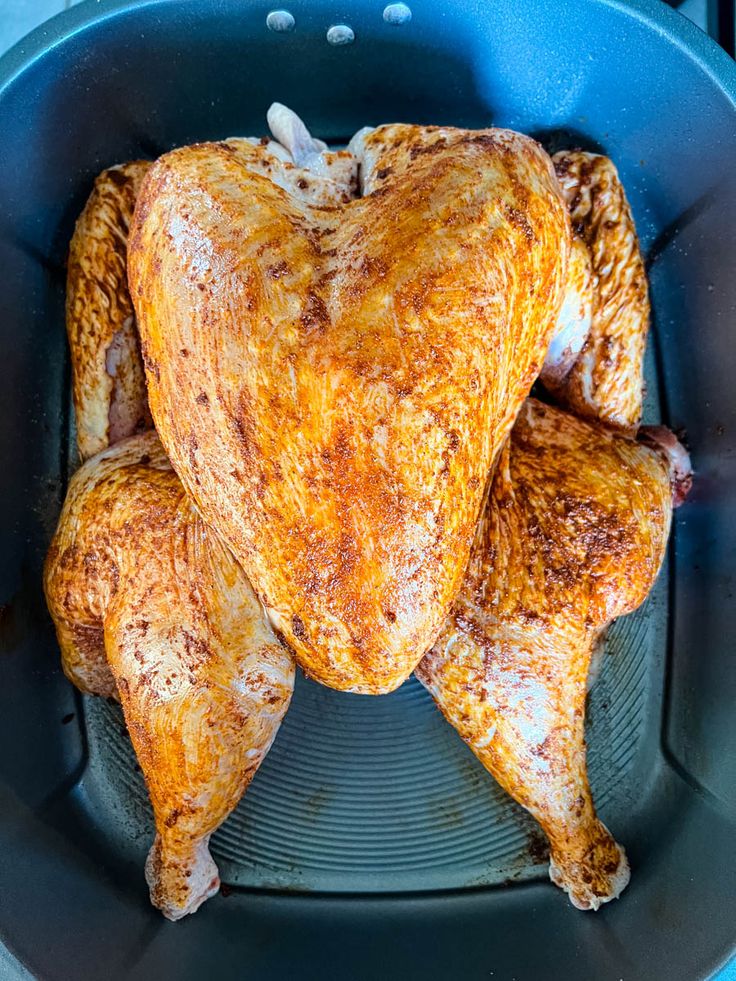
x=332, y=383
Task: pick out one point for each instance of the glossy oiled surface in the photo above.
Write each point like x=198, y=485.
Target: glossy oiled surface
x=333, y=383
x=556, y=462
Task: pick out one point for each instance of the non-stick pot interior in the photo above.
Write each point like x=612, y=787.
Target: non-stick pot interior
x=371, y=843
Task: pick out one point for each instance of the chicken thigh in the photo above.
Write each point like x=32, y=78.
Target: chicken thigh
x=332, y=383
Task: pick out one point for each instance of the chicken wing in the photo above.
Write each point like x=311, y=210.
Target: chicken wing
x=332, y=383
x=108, y=383
x=595, y=365
x=150, y=606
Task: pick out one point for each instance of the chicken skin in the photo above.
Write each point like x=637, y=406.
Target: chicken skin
x=333, y=383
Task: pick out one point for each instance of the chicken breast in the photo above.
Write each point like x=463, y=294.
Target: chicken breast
x=332, y=383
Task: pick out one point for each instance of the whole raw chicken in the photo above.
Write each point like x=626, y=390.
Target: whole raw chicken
x=333, y=382
x=370, y=347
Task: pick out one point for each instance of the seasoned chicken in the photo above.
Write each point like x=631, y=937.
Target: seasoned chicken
x=572, y=537
x=595, y=363
x=333, y=382
x=333, y=377
x=108, y=384
x=151, y=607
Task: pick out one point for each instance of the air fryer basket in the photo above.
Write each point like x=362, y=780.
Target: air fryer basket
x=371, y=843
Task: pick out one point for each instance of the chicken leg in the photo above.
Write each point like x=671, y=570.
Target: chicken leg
x=136, y=580
x=572, y=537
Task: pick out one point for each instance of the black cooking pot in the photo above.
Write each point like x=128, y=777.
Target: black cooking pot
x=372, y=845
